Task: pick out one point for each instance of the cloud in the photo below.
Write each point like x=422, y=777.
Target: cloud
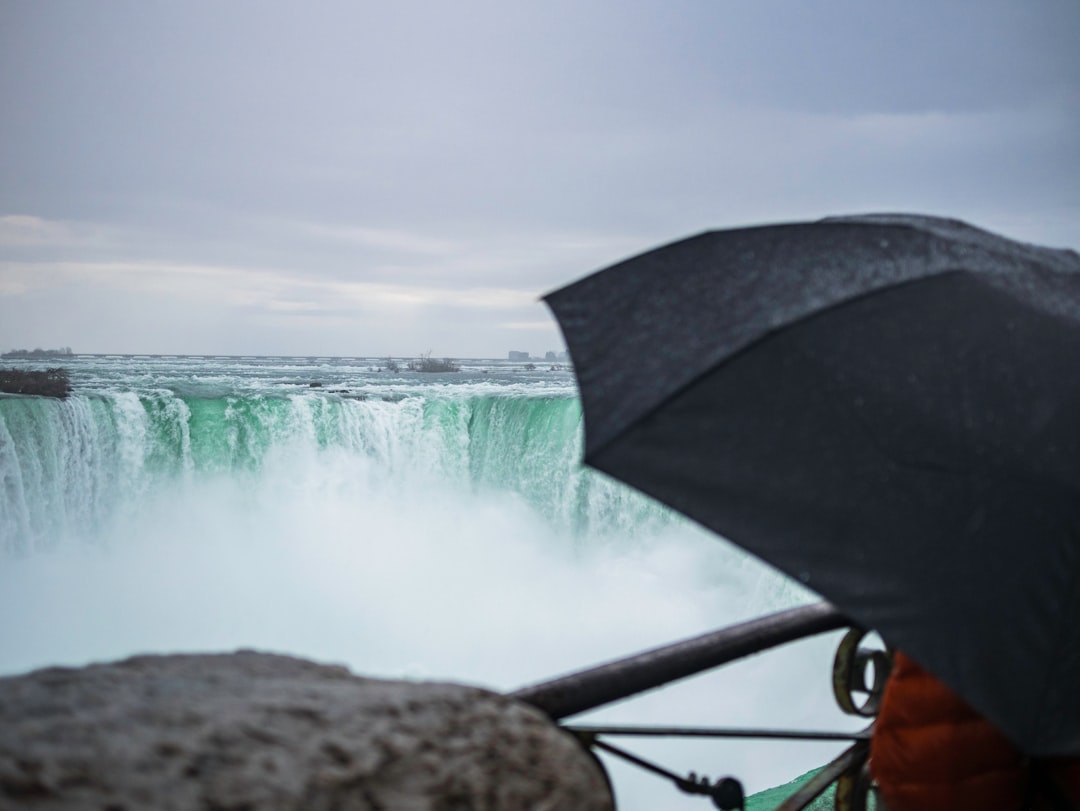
x=20, y=230
x=445, y=161
x=528, y=326
x=24, y=231
x=248, y=287
x=396, y=240
x=155, y=306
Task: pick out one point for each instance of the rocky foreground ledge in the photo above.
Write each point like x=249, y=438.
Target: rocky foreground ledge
x=253, y=732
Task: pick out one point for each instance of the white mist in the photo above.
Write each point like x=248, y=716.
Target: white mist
x=390, y=536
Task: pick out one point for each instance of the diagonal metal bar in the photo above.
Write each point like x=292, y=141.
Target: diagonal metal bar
x=603, y=684
x=720, y=732
x=638, y=761
x=726, y=792
x=816, y=786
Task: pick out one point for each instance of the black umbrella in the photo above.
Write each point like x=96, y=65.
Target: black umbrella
x=887, y=408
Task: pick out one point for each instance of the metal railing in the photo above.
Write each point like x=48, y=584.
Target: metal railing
x=859, y=675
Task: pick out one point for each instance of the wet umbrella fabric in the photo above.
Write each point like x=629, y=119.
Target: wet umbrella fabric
x=886, y=408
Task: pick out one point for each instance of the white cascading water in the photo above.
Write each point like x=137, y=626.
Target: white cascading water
x=408, y=527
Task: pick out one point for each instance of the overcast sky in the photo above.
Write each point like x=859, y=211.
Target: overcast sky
x=396, y=177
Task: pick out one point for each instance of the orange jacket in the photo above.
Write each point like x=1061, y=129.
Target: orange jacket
x=932, y=752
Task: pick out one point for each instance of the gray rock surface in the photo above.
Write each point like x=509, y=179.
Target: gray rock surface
x=249, y=731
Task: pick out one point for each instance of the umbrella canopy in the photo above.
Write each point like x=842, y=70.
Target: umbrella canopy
x=887, y=408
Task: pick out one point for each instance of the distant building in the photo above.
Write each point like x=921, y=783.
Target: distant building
x=518, y=355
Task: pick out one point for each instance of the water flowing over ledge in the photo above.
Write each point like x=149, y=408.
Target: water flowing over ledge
x=416, y=526
x=68, y=468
